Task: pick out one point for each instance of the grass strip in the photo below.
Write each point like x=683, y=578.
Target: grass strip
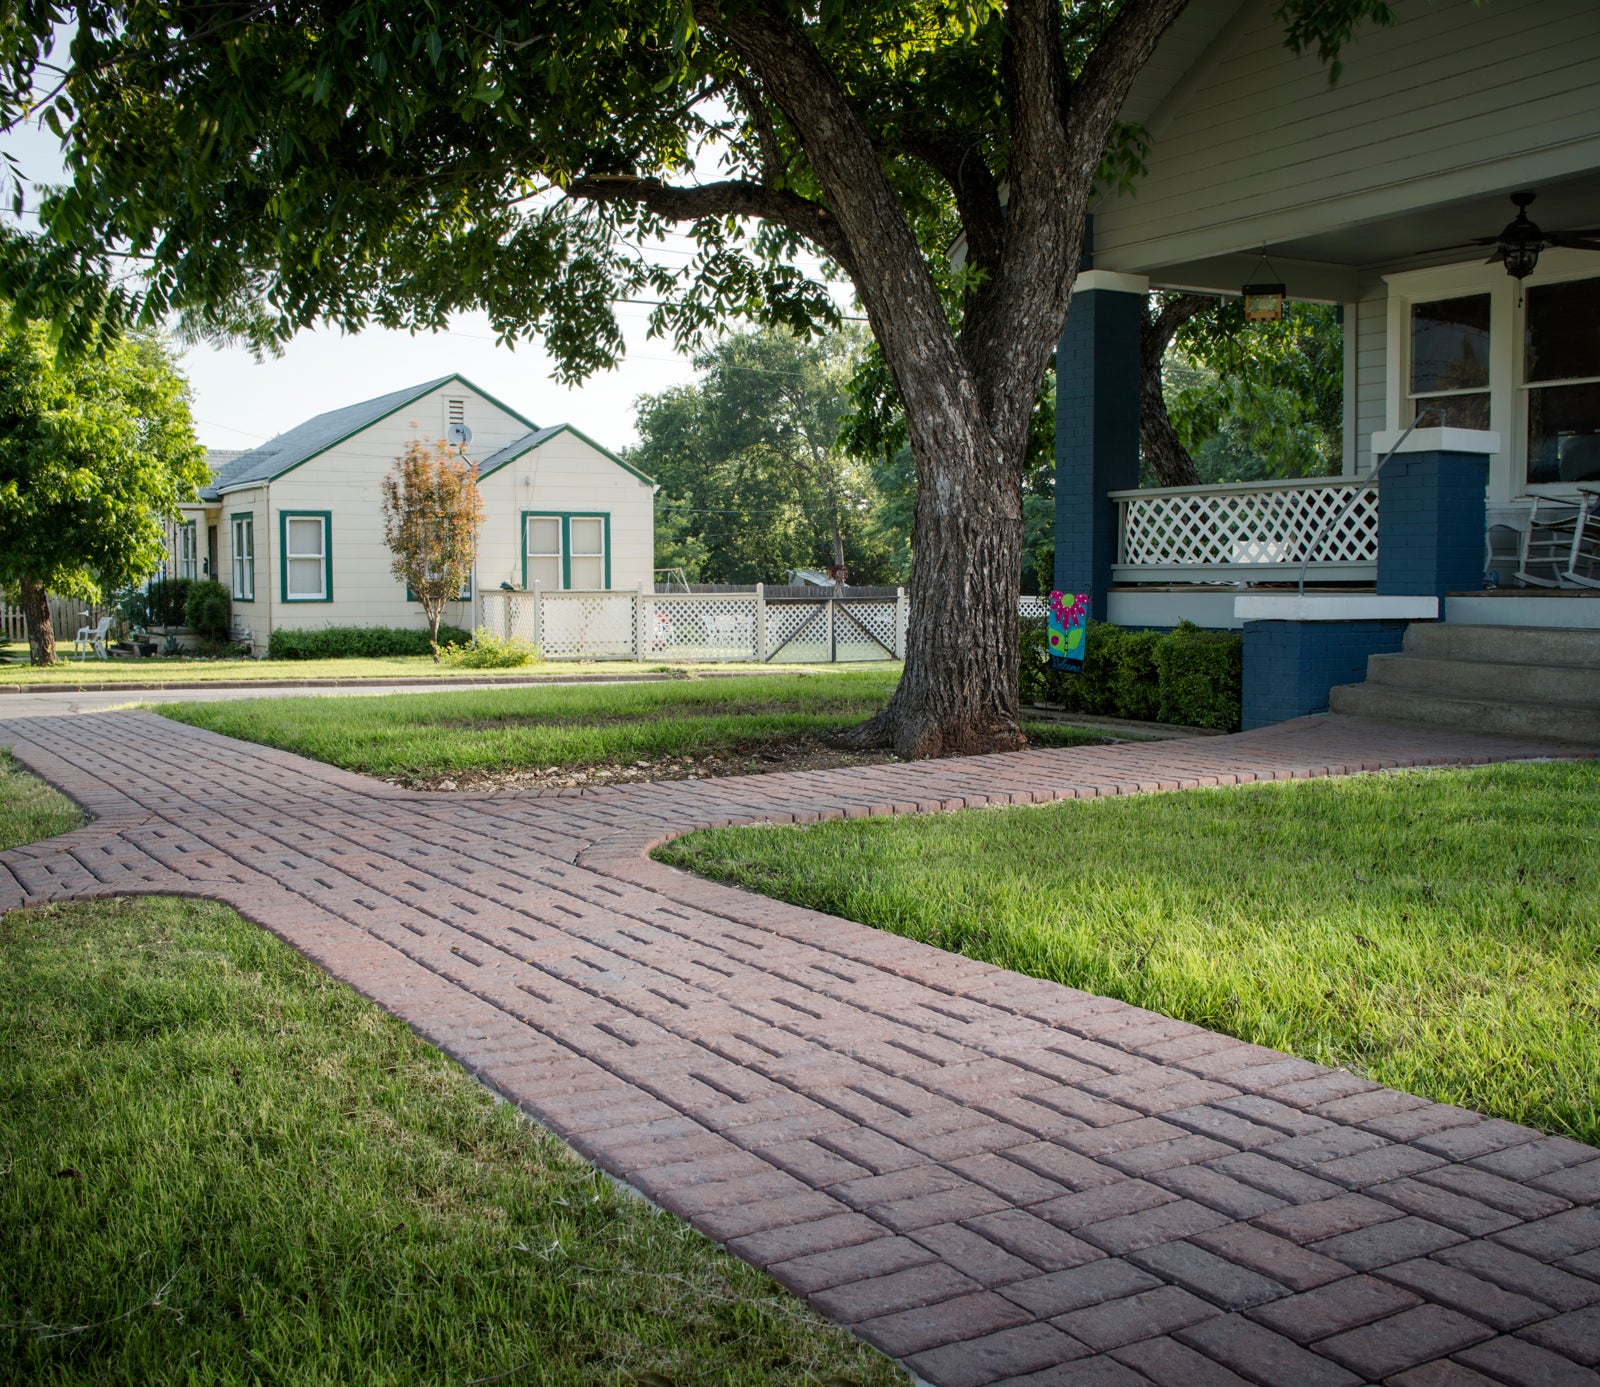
x=222, y=1167
x=14, y=669
x=466, y=731
x=1436, y=931
x=30, y=809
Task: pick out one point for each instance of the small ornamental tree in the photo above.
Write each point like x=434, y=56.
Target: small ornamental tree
x=431, y=513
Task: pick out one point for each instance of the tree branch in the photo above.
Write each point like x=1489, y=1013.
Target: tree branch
x=731, y=198
x=977, y=192
x=1123, y=50
x=772, y=166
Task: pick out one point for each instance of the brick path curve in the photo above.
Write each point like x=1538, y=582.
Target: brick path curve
x=992, y=1178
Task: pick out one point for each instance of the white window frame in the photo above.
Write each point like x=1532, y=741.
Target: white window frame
x=243, y=528
x=188, y=550
x=1508, y=395
x=324, y=555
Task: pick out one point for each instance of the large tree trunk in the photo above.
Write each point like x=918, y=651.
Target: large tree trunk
x=36, y=611
x=958, y=693
x=1158, y=440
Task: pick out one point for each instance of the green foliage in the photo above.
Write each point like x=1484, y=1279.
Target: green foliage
x=358, y=642
x=1251, y=401
x=208, y=611
x=167, y=601
x=489, y=651
x=752, y=480
x=95, y=456
x=1186, y=676
x=1200, y=677
x=1435, y=931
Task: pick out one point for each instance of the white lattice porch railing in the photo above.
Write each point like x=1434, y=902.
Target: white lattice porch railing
x=1248, y=532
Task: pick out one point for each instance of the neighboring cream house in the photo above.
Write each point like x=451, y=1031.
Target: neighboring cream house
x=295, y=527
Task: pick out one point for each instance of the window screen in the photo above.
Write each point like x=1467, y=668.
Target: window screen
x=305, y=555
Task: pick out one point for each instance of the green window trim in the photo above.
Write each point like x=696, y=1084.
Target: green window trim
x=189, y=560
x=284, y=517
x=465, y=595
x=566, y=517
x=233, y=552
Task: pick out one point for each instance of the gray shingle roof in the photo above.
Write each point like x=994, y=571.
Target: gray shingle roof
x=517, y=448
x=277, y=455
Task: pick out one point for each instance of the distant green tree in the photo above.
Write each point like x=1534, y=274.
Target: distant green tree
x=1255, y=400
x=95, y=456
x=753, y=482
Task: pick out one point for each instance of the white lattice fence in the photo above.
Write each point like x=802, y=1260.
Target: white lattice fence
x=587, y=625
x=696, y=626
x=1233, y=529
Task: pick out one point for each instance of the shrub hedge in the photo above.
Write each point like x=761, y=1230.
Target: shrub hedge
x=1185, y=675
x=208, y=611
x=489, y=651
x=358, y=642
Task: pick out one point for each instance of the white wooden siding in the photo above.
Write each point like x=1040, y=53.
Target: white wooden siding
x=1372, y=333
x=564, y=475
x=1259, y=148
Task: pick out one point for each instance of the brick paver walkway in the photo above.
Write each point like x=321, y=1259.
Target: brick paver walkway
x=993, y=1178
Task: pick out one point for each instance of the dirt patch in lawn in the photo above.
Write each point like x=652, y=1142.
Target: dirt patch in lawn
x=752, y=758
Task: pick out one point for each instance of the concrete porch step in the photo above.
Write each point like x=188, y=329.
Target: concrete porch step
x=1556, y=684
x=1497, y=716
x=1519, y=645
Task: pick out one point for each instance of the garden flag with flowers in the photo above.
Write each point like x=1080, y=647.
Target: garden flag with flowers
x=1068, y=629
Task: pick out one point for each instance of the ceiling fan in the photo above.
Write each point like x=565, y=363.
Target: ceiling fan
x=1521, y=242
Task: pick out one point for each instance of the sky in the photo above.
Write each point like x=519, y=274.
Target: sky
x=239, y=402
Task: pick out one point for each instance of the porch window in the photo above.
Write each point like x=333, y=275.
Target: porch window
x=544, y=553
x=188, y=551
x=1561, y=381
x=1450, y=361
x=244, y=558
x=588, y=549
x=307, y=557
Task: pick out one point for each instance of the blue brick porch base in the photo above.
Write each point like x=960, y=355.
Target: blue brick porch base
x=1431, y=522
x=1290, y=666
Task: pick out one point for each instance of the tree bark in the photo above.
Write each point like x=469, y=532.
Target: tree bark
x=36, y=612
x=1158, y=440
x=968, y=404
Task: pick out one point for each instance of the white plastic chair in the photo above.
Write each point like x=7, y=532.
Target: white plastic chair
x=1547, y=540
x=1583, y=562
x=92, y=638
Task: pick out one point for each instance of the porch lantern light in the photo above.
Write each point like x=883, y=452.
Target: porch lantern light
x=1263, y=303
x=1263, y=299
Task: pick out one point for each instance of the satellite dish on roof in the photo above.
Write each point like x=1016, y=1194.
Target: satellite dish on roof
x=459, y=435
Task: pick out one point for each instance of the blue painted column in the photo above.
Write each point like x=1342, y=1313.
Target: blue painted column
x=1097, y=426
x=1432, y=512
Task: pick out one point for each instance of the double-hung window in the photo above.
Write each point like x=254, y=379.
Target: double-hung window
x=566, y=550
x=244, y=558
x=188, y=551
x=1561, y=381
x=1450, y=362
x=307, y=556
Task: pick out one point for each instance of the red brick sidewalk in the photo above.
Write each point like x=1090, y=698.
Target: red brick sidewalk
x=992, y=1178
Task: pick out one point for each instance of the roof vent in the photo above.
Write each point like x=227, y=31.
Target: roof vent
x=455, y=412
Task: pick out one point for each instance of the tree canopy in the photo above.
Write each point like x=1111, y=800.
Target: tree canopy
x=267, y=166
x=753, y=481
x=95, y=457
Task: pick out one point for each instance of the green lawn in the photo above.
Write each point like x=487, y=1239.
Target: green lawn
x=159, y=670
x=1436, y=931
x=221, y=1167
x=30, y=809
x=469, y=731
